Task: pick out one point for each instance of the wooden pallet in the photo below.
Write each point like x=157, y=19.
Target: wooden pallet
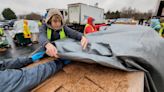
x=83, y=77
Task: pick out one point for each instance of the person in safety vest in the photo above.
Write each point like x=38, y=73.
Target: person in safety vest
x=155, y=24
x=40, y=23
x=90, y=27
x=54, y=29
x=1, y=32
x=26, y=30
x=161, y=31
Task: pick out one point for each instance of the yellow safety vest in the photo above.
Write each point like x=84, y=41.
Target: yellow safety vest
x=26, y=31
x=1, y=32
x=39, y=23
x=161, y=30
x=62, y=34
x=87, y=26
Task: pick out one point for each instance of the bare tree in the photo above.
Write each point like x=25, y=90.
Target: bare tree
x=129, y=12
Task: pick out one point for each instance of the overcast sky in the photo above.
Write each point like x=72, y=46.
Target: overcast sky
x=39, y=6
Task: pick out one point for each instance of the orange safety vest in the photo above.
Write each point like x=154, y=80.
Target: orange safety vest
x=88, y=25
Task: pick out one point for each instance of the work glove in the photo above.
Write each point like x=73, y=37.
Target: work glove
x=37, y=56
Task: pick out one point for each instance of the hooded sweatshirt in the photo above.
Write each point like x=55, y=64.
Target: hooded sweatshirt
x=43, y=40
x=88, y=29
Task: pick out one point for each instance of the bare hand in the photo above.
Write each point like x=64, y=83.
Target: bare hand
x=84, y=42
x=51, y=50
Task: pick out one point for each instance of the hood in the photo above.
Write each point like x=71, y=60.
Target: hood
x=90, y=20
x=50, y=14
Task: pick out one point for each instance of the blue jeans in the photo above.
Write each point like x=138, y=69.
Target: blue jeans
x=15, y=78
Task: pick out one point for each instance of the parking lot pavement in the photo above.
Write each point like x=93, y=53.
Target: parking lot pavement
x=15, y=51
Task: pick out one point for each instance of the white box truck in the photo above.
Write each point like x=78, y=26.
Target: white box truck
x=78, y=13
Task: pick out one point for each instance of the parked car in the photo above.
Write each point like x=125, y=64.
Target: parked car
x=1, y=24
x=8, y=24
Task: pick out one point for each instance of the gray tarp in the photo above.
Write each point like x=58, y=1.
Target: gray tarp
x=124, y=47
